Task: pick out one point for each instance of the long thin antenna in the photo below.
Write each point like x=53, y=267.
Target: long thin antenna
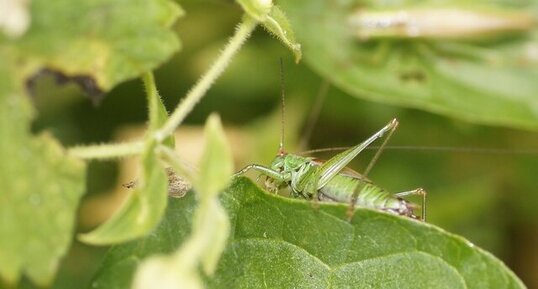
x=282, y=108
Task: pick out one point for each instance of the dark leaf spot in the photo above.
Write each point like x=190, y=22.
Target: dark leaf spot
x=85, y=82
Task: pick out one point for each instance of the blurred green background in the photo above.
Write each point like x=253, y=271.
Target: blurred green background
x=488, y=198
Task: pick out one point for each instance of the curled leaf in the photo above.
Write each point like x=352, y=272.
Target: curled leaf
x=277, y=23
x=144, y=207
x=257, y=9
x=274, y=20
x=142, y=210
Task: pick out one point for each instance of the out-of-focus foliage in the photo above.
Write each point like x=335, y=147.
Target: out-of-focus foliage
x=145, y=206
x=488, y=198
x=39, y=193
x=96, y=45
x=211, y=224
x=474, y=61
x=143, y=209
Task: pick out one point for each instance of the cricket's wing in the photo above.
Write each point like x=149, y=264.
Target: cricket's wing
x=337, y=163
x=346, y=171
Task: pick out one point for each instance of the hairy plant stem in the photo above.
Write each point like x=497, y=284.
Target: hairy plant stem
x=242, y=33
x=110, y=151
x=107, y=151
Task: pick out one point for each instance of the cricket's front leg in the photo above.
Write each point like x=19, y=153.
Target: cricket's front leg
x=276, y=176
x=259, y=168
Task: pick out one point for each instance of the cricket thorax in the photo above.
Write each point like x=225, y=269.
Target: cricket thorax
x=294, y=169
x=288, y=162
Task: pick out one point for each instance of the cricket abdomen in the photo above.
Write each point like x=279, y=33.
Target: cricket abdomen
x=342, y=188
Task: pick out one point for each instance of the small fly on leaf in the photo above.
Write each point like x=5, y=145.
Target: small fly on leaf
x=177, y=186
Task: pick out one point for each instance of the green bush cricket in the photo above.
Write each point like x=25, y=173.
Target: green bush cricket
x=332, y=181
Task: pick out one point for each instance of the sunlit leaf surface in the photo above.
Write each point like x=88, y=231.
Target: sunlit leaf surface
x=40, y=188
x=98, y=43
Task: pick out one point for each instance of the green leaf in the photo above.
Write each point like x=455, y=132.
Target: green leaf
x=117, y=270
x=490, y=80
x=211, y=221
x=277, y=23
x=102, y=42
x=164, y=271
x=39, y=192
x=257, y=9
x=142, y=210
x=278, y=242
x=211, y=225
x=274, y=20
x=98, y=43
x=216, y=165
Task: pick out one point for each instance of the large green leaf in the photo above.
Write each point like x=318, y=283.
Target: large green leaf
x=40, y=187
x=278, y=242
x=492, y=80
x=103, y=42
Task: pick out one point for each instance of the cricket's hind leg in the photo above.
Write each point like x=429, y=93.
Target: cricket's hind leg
x=391, y=128
x=416, y=192
x=353, y=201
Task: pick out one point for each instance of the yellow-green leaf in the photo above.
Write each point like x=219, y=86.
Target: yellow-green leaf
x=97, y=42
x=40, y=187
x=257, y=9
x=142, y=210
x=274, y=20
x=216, y=165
